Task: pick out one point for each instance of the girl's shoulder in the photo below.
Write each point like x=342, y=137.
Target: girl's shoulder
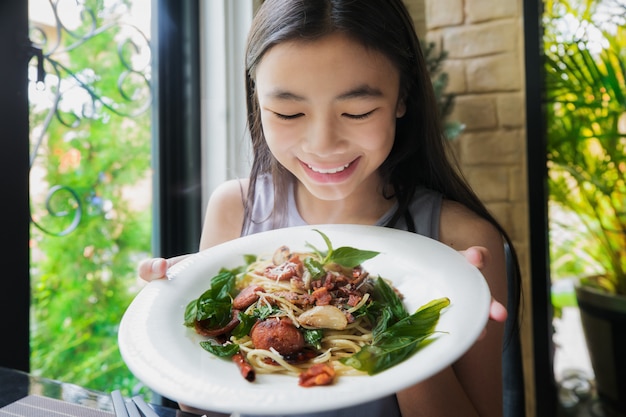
x=224, y=214
x=461, y=228
x=230, y=194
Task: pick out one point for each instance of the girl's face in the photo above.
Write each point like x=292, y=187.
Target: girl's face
x=329, y=109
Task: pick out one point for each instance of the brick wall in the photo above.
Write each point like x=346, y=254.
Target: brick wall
x=484, y=40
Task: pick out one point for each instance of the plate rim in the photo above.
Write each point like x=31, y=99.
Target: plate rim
x=130, y=357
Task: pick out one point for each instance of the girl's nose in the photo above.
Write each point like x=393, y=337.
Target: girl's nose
x=322, y=137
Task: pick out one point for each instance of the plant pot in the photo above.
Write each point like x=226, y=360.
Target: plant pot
x=603, y=318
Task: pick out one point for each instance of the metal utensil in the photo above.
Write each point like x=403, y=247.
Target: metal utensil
x=145, y=409
x=129, y=408
x=119, y=405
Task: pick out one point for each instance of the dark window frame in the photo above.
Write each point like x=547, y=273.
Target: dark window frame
x=14, y=168
x=544, y=383
x=176, y=127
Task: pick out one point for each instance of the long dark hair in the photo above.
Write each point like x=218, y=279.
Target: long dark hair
x=419, y=156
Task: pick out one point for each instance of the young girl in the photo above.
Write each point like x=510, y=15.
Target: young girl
x=345, y=129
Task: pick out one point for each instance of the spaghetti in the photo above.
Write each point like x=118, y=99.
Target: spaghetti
x=334, y=303
x=315, y=315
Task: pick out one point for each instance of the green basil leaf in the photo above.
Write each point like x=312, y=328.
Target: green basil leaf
x=215, y=304
x=222, y=285
x=249, y=259
x=321, y=254
x=350, y=257
x=329, y=247
x=313, y=337
x=191, y=313
x=384, y=320
x=265, y=311
x=374, y=359
x=398, y=341
x=315, y=268
x=223, y=351
x=245, y=325
x=219, y=313
x=345, y=256
x=418, y=324
x=387, y=296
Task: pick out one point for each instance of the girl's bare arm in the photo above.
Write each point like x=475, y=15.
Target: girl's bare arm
x=473, y=385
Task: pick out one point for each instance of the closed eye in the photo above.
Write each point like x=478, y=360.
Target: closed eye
x=288, y=116
x=359, y=116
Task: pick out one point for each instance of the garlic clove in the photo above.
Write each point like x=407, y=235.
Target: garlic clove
x=324, y=317
x=281, y=255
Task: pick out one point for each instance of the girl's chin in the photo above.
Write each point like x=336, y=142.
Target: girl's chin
x=327, y=193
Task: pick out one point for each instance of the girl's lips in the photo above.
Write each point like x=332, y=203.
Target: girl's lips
x=330, y=175
x=328, y=171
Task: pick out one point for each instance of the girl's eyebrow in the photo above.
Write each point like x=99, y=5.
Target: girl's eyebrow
x=362, y=91
x=284, y=95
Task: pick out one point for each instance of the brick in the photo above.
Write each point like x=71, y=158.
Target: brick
x=483, y=10
x=481, y=39
x=519, y=179
x=494, y=73
x=502, y=212
x=491, y=147
x=417, y=9
x=519, y=224
x=475, y=112
x=444, y=13
x=511, y=110
x=489, y=183
x=455, y=68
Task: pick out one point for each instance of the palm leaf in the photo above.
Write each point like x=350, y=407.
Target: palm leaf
x=586, y=148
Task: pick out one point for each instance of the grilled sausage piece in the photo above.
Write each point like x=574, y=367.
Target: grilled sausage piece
x=247, y=297
x=279, y=334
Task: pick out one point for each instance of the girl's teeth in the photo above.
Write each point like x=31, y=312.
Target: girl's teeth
x=328, y=171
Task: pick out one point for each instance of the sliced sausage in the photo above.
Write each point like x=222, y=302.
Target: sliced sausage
x=279, y=334
x=247, y=297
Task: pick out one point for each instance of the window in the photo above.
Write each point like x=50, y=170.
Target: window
x=183, y=112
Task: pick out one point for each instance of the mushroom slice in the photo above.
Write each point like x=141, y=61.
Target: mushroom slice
x=324, y=317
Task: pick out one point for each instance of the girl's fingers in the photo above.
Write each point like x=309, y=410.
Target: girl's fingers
x=151, y=269
x=476, y=255
x=497, y=312
x=156, y=268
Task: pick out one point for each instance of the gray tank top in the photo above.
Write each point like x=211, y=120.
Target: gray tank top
x=424, y=209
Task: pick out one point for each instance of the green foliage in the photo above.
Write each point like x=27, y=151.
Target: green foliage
x=83, y=281
x=586, y=140
x=439, y=78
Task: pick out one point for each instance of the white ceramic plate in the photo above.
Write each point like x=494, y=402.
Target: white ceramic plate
x=167, y=357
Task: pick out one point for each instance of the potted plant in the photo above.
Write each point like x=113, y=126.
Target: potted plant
x=586, y=151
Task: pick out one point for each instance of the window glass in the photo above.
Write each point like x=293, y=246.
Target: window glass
x=90, y=182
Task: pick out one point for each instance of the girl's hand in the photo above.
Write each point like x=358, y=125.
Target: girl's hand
x=156, y=268
x=477, y=256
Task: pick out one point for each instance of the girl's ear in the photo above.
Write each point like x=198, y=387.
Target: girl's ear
x=400, y=108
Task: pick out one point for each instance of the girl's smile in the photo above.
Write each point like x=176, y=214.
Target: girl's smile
x=328, y=110
x=334, y=175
